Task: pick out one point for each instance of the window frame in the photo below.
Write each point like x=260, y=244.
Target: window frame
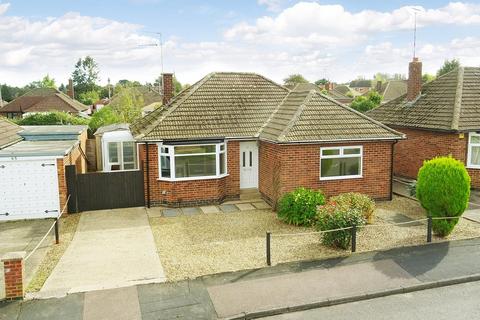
x=469, y=150
x=107, y=165
x=341, y=155
x=172, y=155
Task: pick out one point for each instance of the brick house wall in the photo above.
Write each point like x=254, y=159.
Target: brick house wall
x=191, y=192
x=423, y=145
x=73, y=157
x=283, y=168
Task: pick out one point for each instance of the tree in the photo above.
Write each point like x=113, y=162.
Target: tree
x=128, y=105
x=85, y=75
x=88, y=98
x=9, y=93
x=443, y=189
x=448, y=66
x=103, y=117
x=321, y=82
x=294, y=79
x=366, y=103
x=427, y=78
x=45, y=82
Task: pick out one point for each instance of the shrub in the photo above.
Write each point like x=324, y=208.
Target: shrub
x=443, y=189
x=51, y=118
x=353, y=200
x=331, y=216
x=299, y=207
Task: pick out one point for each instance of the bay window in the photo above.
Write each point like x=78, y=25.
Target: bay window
x=341, y=162
x=473, y=150
x=196, y=161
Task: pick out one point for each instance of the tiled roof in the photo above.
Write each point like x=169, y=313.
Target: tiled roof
x=249, y=105
x=8, y=133
x=42, y=100
x=393, y=89
x=449, y=103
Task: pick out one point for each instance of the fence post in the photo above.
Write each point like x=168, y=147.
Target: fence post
x=429, y=229
x=354, y=238
x=269, y=261
x=57, y=236
x=14, y=274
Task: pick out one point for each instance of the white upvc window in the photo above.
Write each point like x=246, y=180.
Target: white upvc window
x=473, y=158
x=341, y=162
x=192, y=161
x=120, y=155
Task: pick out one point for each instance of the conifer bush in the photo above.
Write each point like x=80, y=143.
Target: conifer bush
x=443, y=189
x=299, y=207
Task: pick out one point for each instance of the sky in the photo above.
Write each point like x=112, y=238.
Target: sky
x=337, y=40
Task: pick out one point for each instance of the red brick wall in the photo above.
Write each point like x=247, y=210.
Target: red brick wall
x=286, y=167
x=192, y=192
x=422, y=145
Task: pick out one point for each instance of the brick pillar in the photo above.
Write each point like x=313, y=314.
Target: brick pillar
x=14, y=272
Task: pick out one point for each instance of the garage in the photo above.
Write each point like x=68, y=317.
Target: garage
x=29, y=189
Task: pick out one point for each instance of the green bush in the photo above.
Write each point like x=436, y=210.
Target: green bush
x=332, y=216
x=354, y=200
x=299, y=207
x=443, y=189
x=51, y=118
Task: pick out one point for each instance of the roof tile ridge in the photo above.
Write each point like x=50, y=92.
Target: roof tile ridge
x=168, y=111
x=270, y=118
x=365, y=116
x=386, y=89
x=458, y=99
x=296, y=115
x=273, y=82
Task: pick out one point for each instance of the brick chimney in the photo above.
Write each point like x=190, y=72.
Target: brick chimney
x=329, y=86
x=168, y=87
x=414, y=86
x=378, y=88
x=70, y=91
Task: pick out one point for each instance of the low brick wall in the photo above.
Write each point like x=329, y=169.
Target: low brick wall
x=14, y=275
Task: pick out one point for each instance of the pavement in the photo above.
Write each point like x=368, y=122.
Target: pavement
x=110, y=249
x=267, y=291
x=459, y=302
x=24, y=235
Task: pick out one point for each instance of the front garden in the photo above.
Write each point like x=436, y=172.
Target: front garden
x=191, y=246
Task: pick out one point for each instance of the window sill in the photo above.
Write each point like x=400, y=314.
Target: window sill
x=473, y=167
x=193, y=178
x=341, y=178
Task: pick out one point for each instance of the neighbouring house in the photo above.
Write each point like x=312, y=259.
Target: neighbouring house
x=234, y=131
x=361, y=86
x=441, y=118
x=150, y=108
x=115, y=148
x=99, y=104
x=42, y=100
x=9, y=133
x=32, y=170
x=391, y=89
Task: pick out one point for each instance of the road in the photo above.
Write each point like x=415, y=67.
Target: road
x=453, y=302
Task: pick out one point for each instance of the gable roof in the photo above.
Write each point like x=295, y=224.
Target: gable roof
x=9, y=133
x=448, y=103
x=247, y=105
x=43, y=100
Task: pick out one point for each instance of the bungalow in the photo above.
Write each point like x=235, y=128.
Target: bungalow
x=234, y=131
x=441, y=118
x=42, y=100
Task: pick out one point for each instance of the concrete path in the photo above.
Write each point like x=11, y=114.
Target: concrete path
x=284, y=285
x=24, y=236
x=111, y=249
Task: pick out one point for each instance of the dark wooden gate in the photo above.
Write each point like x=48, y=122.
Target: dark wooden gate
x=104, y=190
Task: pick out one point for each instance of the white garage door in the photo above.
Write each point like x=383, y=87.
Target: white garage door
x=28, y=189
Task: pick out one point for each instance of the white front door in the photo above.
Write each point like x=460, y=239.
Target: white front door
x=248, y=165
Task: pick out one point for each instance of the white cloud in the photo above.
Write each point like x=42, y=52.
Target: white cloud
x=4, y=7
x=314, y=23
x=272, y=5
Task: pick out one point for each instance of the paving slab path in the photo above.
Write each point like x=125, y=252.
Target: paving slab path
x=111, y=249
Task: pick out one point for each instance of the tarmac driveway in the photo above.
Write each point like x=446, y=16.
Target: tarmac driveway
x=24, y=235
x=111, y=249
